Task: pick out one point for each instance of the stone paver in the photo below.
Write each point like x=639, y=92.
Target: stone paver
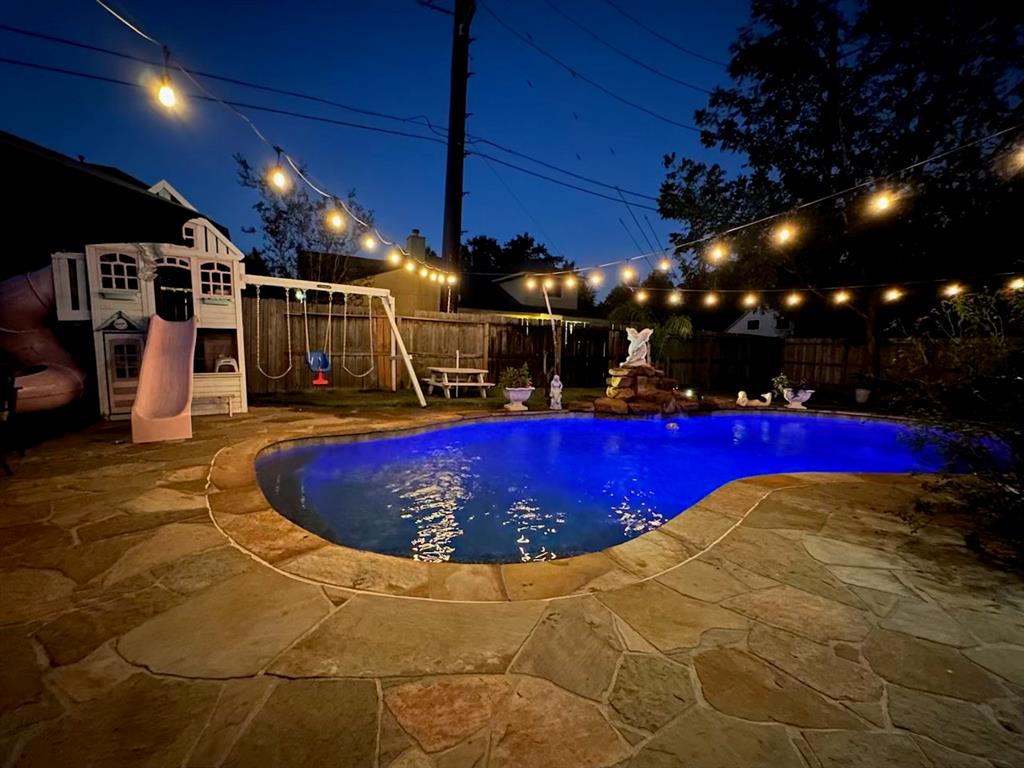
x=808, y=627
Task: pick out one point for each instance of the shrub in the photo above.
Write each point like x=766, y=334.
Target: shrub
x=513, y=378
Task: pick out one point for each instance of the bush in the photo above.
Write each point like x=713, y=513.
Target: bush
x=514, y=378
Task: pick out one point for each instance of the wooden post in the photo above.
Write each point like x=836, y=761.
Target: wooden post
x=405, y=355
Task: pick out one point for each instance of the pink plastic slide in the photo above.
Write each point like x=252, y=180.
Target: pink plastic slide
x=51, y=377
x=163, y=401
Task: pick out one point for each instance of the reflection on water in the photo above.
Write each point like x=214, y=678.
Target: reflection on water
x=546, y=488
x=433, y=491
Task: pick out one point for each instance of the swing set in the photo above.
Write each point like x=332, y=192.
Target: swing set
x=319, y=360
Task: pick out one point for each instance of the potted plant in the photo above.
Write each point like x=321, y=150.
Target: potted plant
x=863, y=384
x=795, y=393
x=516, y=382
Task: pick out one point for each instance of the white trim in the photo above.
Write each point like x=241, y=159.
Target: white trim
x=165, y=186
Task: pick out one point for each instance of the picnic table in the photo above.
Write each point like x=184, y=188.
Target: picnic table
x=448, y=379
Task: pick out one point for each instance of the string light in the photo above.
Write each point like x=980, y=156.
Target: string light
x=892, y=294
x=711, y=299
x=570, y=281
x=394, y=257
x=794, y=299
x=410, y=266
x=841, y=297
x=549, y=283
x=452, y=279
x=1016, y=284
x=641, y=296
x=717, y=253
x=595, y=279
x=675, y=298
x=531, y=283
x=369, y=242
x=784, y=234
x=951, y=290
x=628, y=274
x=881, y=202
x=433, y=277
x=750, y=300
x=278, y=178
x=166, y=95
x=424, y=271
x=664, y=265
x=335, y=220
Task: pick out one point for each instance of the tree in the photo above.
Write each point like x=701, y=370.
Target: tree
x=292, y=224
x=825, y=96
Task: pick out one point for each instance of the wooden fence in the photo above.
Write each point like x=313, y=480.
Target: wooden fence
x=709, y=361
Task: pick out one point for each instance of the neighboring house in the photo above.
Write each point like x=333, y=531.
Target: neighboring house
x=511, y=295
x=762, y=322
x=412, y=293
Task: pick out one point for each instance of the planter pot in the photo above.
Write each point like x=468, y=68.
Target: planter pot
x=796, y=398
x=516, y=396
x=861, y=395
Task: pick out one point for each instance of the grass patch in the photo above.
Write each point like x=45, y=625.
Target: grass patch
x=354, y=399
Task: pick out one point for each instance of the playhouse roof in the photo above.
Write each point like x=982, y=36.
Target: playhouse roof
x=63, y=204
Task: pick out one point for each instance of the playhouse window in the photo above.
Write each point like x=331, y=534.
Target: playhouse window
x=190, y=236
x=215, y=279
x=126, y=361
x=172, y=261
x=119, y=272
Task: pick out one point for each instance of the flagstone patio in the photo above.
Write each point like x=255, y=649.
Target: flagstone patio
x=156, y=613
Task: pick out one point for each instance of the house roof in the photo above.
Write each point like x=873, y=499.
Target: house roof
x=485, y=292
x=63, y=204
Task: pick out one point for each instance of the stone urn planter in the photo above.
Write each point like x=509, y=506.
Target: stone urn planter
x=861, y=395
x=795, y=398
x=516, y=396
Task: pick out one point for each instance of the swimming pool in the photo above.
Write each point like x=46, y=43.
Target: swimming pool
x=538, y=488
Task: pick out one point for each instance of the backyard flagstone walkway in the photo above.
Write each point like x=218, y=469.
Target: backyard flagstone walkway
x=817, y=632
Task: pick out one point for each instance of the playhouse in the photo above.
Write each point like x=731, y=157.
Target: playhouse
x=119, y=286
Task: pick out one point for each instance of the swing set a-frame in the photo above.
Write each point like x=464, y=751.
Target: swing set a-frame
x=319, y=361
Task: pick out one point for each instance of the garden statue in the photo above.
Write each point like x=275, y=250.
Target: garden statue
x=796, y=398
x=555, y=390
x=743, y=402
x=639, y=352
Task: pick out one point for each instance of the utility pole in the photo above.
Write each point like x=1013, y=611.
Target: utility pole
x=451, y=245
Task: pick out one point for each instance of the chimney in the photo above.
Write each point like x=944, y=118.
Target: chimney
x=416, y=245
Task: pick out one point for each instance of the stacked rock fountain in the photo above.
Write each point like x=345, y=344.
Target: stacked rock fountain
x=637, y=387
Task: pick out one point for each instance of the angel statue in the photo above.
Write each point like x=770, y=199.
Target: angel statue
x=639, y=352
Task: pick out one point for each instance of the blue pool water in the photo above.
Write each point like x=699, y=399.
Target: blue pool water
x=539, y=488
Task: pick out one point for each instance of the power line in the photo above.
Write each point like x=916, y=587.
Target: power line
x=415, y=120
x=622, y=53
x=673, y=43
x=580, y=76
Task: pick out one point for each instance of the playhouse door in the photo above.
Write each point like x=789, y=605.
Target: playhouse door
x=124, y=357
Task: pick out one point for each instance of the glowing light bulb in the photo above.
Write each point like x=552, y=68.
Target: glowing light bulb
x=892, y=294
x=335, y=220
x=628, y=273
x=882, y=202
x=841, y=297
x=641, y=296
x=433, y=277
x=664, y=265
x=784, y=234
x=531, y=283
x=424, y=271
x=595, y=279
x=452, y=279
x=549, y=283
x=711, y=299
x=750, y=300
x=717, y=253
x=394, y=257
x=166, y=95
x=675, y=298
x=278, y=178
x=1016, y=284
x=410, y=266
x=570, y=281
x=794, y=300
x=369, y=242
x=953, y=289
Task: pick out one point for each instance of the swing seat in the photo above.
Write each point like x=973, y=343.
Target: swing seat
x=320, y=380
x=318, y=362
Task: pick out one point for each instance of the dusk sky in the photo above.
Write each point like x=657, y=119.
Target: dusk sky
x=392, y=56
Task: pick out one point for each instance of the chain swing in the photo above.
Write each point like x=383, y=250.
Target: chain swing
x=344, y=340
x=319, y=361
x=259, y=343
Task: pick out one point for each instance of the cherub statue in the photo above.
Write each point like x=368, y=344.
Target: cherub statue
x=555, y=390
x=639, y=352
